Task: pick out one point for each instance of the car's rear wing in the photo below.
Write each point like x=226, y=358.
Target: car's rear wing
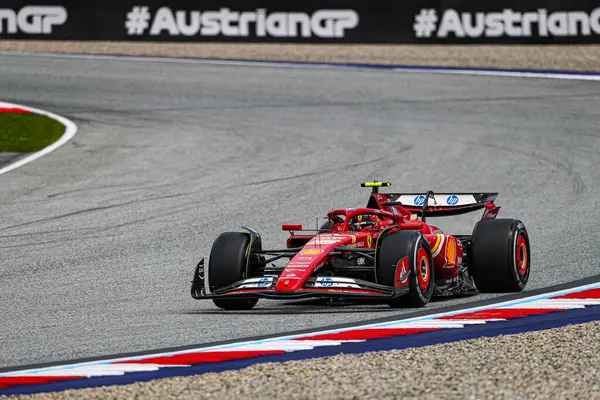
x=442, y=204
x=430, y=203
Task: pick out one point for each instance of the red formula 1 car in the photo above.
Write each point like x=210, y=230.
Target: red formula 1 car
x=382, y=251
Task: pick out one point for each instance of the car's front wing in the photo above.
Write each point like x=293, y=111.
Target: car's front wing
x=322, y=286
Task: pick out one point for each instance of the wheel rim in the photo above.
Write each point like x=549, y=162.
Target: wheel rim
x=423, y=270
x=522, y=256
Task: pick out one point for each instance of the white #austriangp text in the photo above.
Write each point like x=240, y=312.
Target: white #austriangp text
x=539, y=23
x=32, y=19
x=260, y=23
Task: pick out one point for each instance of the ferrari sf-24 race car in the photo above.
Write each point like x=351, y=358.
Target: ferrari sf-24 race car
x=382, y=251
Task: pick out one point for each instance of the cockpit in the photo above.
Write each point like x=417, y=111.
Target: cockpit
x=356, y=220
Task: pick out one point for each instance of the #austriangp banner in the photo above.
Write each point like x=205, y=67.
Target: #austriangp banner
x=325, y=21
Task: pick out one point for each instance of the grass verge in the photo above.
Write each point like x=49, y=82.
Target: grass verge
x=26, y=133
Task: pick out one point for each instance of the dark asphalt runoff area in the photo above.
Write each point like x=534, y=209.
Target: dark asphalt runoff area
x=98, y=240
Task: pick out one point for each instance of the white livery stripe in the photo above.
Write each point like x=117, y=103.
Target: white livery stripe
x=439, y=248
x=335, y=279
x=336, y=285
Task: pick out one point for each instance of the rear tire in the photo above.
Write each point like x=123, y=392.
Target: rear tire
x=396, y=246
x=227, y=265
x=499, y=256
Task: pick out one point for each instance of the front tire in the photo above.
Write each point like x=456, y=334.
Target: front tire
x=227, y=265
x=500, y=257
x=412, y=245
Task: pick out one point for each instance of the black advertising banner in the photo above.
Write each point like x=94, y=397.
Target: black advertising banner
x=325, y=21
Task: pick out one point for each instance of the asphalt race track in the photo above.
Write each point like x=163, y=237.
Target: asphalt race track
x=98, y=240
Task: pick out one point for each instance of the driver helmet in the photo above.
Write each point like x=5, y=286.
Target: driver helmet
x=362, y=221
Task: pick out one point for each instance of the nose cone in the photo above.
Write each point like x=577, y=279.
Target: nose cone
x=301, y=267
x=314, y=253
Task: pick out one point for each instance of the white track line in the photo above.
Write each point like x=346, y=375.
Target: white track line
x=70, y=131
x=525, y=73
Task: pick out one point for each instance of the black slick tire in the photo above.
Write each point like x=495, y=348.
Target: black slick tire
x=412, y=245
x=227, y=265
x=499, y=256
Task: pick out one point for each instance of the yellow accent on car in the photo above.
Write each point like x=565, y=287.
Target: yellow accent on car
x=450, y=251
x=311, y=252
x=438, y=239
x=376, y=184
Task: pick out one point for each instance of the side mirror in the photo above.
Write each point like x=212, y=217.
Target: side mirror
x=291, y=227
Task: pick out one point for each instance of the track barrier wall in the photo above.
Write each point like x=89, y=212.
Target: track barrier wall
x=325, y=21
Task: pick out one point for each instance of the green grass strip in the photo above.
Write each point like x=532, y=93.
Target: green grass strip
x=26, y=133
